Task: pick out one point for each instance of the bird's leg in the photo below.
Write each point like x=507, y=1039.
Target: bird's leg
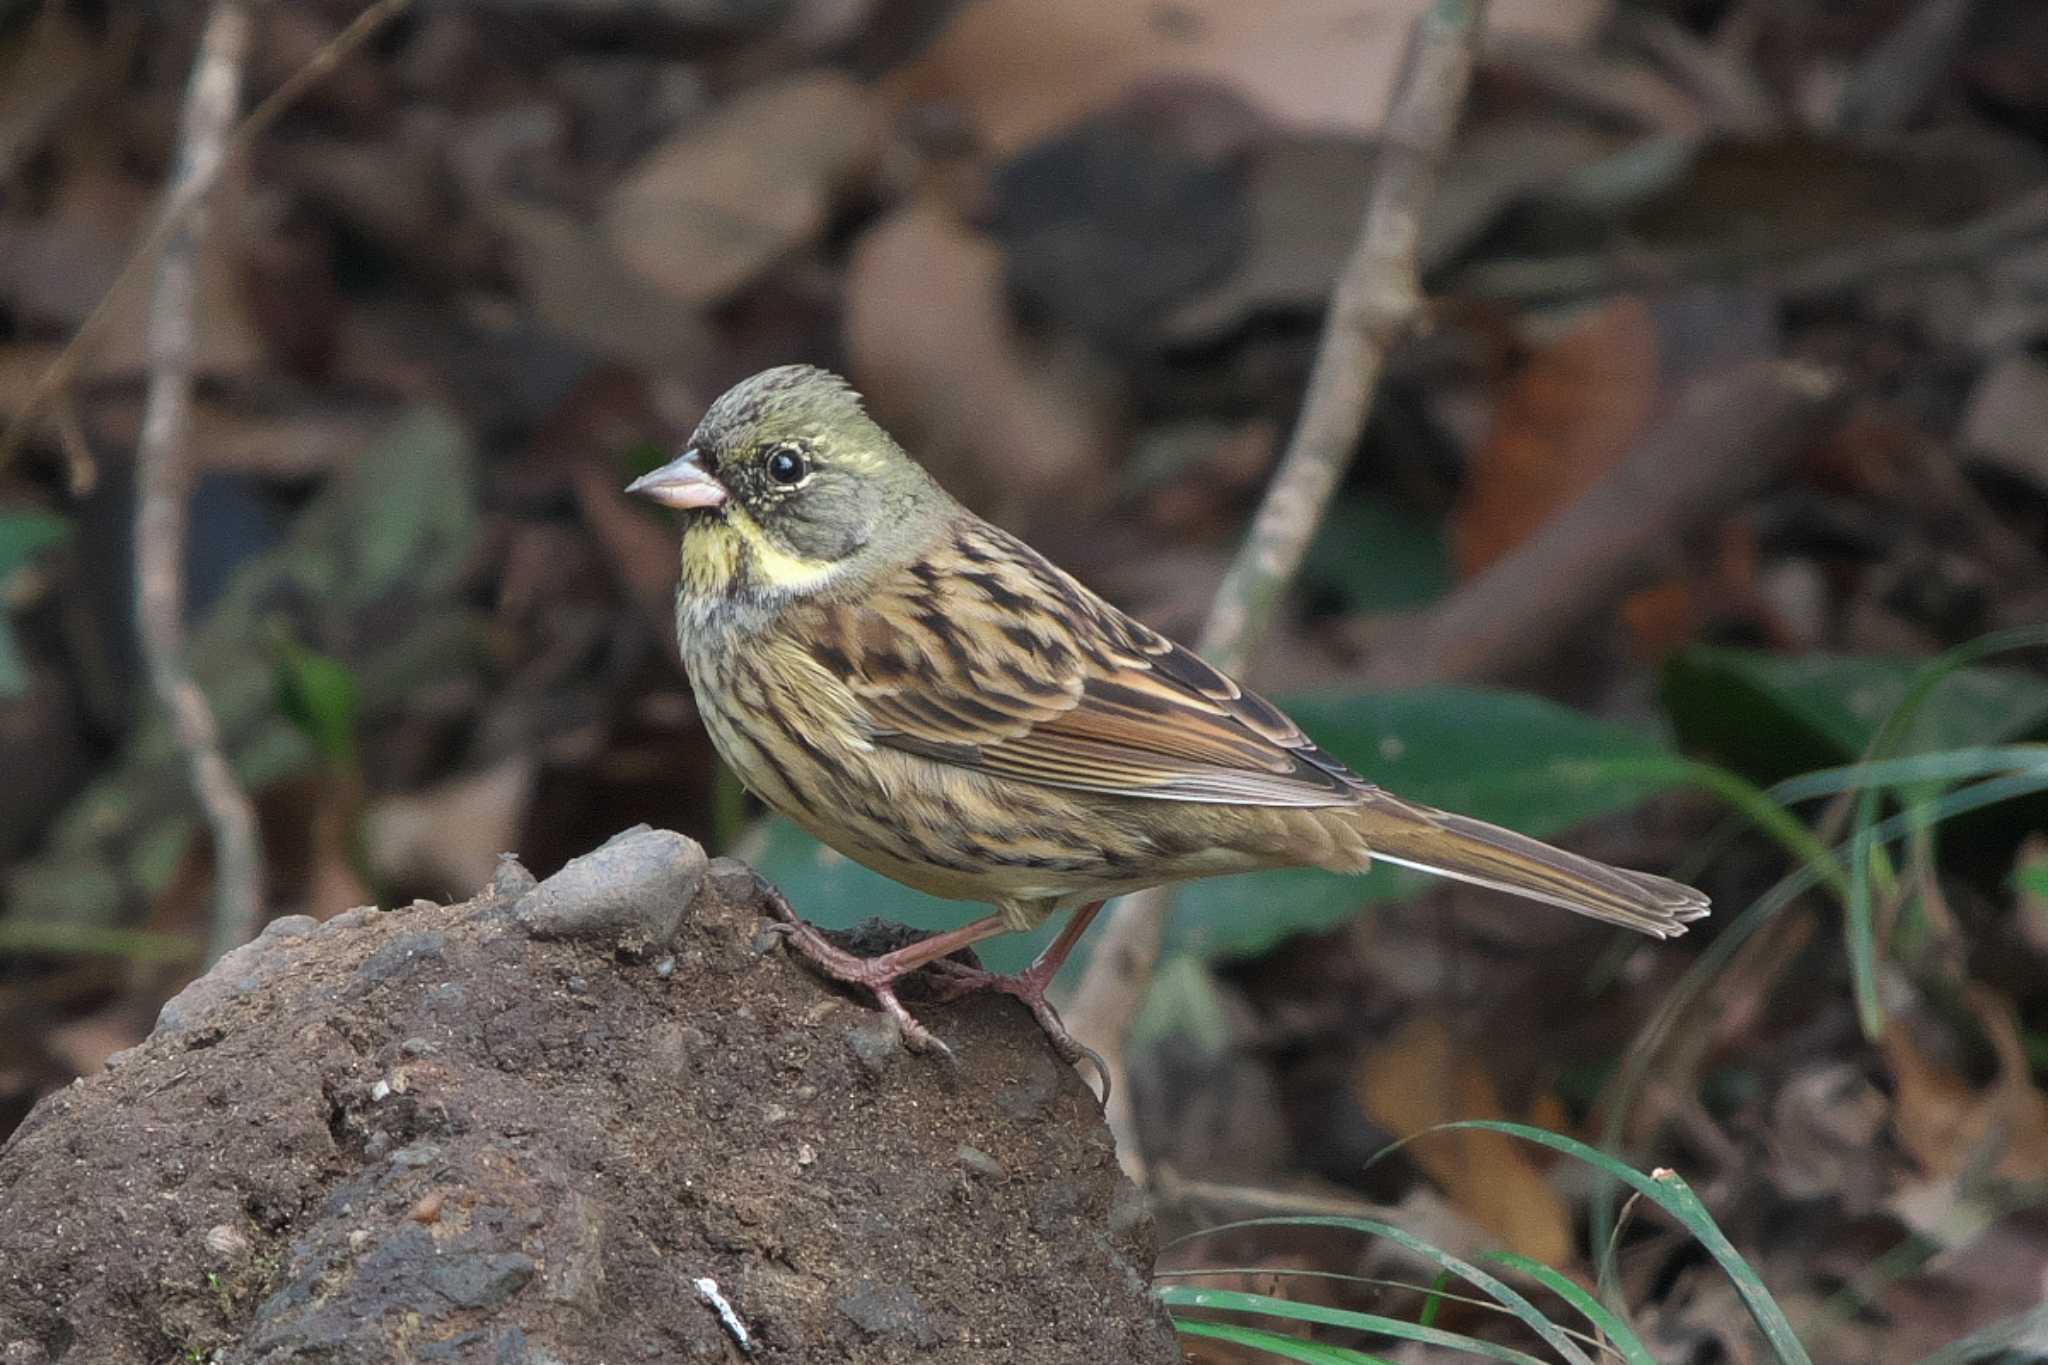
x=1030, y=986
x=879, y=975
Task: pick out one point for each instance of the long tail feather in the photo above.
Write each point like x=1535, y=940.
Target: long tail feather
x=1473, y=851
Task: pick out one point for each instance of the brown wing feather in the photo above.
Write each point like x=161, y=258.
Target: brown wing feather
x=984, y=655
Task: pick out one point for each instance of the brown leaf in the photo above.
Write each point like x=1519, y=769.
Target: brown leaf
x=707, y=211
x=1021, y=69
x=1953, y=1128
x=931, y=344
x=1565, y=420
x=54, y=270
x=1421, y=1078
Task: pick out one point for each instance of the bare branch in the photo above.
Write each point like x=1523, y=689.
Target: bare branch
x=164, y=478
x=1727, y=435
x=1377, y=295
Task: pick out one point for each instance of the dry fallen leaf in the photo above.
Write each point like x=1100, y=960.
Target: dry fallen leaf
x=1565, y=420
x=931, y=344
x=1422, y=1078
x=55, y=269
x=706, y=211
x=1021, y=69
x=1954, y=1129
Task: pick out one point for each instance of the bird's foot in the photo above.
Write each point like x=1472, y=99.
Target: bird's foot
x=1028, y=986
x=878, y=975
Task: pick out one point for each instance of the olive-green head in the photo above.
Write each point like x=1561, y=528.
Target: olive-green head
x=787, y=479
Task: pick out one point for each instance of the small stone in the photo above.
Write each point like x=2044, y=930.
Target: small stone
x=415, y=1155
x=380, y=1092
x=417, y=1047
x=576, y=985
x=889, y=1310
x=634, y=890
x=876, y=1044
x=980, y=1163
x=806, y=1155
x=511, y=880
x=666, y=968
x=732, y=881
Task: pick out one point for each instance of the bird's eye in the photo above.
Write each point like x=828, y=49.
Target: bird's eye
x=787, y=465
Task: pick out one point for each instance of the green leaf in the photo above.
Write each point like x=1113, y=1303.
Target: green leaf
x=22, y=536
x=318, y=694
x=1230, y=1301
x=1771, y=716
x=1375, y=555
x=1501, y=1293
x=1512, y=759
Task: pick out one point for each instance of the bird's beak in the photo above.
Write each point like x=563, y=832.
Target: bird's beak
x=682, y=482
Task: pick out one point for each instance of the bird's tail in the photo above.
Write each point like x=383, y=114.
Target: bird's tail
x=1473, y=851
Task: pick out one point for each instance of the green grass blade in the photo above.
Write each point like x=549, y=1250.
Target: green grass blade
x=1950, y=765
x=1861, y=922
x=2021, y=1334
x=1620, y=1335
x=1500, y=1292
x=1231, y=1301
x=1287, y=1348
x=1378, y=1282
x=1687, y=990
x=1433, y=1299
x=1668, y=1191
x=1747, y=799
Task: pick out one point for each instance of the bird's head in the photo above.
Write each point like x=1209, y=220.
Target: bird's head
x=789, y=485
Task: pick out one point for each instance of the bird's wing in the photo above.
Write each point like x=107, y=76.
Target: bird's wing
x=984, y=655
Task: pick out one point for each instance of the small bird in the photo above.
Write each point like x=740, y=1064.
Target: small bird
x=930, y=696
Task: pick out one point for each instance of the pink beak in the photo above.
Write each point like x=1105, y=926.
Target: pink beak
x=682, y=482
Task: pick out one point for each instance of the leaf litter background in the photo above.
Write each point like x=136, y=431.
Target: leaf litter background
x=1075, y=253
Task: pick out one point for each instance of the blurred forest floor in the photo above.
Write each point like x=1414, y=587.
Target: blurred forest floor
x=1075, y=253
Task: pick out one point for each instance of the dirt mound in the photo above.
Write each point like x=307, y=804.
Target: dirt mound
x=585, y=1121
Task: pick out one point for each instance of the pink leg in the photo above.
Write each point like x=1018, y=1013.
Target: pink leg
x=1030, y=986
x=879, y=975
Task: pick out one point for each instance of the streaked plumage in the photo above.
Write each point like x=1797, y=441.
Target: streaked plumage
x=929, y=695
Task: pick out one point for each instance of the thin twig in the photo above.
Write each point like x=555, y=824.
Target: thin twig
x=1377, y=296
x=184, y=194
x=1727, y=435
x=164, y=478
x=1796, y=272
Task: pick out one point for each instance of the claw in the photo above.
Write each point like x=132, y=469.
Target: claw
x=879, y=975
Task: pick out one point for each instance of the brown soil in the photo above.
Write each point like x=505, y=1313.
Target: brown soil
x=522, y=1128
